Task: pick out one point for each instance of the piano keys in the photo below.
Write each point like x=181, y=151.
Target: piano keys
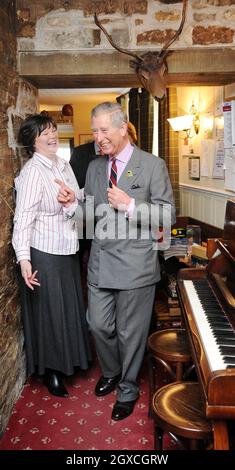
x=207, y=299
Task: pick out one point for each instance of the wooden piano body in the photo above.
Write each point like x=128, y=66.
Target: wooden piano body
x=218, y=386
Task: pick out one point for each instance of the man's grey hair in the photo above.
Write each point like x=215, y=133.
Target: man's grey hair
x=118, y=116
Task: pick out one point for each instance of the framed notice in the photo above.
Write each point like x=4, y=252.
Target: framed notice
x=218, y=164
x=194, y=168
x=84, y=138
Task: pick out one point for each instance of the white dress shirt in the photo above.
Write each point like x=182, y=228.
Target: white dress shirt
x=40, y=220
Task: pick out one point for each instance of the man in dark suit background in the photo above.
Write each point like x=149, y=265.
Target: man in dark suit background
x=81, y=157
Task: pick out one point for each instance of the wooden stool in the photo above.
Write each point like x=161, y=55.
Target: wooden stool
x=177, y=408
x=170, y=349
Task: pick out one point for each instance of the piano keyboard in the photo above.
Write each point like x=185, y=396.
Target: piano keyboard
x=216, y=333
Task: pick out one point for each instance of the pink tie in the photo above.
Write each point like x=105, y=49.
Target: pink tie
x=113, y=174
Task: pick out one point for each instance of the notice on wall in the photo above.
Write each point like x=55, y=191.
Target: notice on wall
x=229, y=166
x=194, y=168
x=218, y=163
x=227, y=112
x=233, y=122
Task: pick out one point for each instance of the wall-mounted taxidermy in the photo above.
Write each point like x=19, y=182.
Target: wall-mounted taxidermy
x=151, y=66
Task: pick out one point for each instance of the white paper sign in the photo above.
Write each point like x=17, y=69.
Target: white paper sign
x=229, y=182
x=218, y=166
x=194, y=168
x=229, y=165
x=227, y=112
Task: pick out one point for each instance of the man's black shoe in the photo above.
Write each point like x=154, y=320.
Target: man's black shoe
x=55, y=386
x=122, y=410
x=106, y=385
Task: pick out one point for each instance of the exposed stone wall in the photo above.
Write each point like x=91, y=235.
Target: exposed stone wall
x=69, y=25
x=13, y=107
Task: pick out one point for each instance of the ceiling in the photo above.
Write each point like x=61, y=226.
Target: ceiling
x=61, y=96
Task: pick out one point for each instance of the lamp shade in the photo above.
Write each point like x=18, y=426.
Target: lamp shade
x=181, y=123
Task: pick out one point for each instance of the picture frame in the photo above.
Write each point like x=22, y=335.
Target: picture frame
x=85, y=138
x=194, y=168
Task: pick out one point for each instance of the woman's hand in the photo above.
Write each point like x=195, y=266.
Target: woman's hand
x=30, y=278
x=66, y=195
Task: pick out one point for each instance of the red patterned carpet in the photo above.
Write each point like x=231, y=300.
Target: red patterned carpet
x=82, y=421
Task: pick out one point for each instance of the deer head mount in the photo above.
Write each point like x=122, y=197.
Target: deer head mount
x=151, y=66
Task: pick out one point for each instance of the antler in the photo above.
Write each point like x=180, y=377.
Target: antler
x=168, y=44
x=151, y=66
x=97, y=22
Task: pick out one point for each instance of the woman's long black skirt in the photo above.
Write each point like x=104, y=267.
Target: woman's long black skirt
x=56, y=334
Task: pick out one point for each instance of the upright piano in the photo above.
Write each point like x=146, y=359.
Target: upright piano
x=207, y=299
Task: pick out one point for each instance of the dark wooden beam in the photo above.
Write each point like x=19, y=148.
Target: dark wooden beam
x=203, y=79
x=70, y=70
x=123, y=80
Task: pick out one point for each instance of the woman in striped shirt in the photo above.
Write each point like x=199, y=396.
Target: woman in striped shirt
x=46, y=246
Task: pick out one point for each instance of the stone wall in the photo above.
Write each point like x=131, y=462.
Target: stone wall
x=69, y=25
x=13, y=106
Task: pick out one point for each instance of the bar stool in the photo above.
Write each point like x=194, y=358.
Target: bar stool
x=170, y=349
x=177, y=408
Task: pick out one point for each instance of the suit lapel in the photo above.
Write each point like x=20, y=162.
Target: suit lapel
x=131, y=172
x=102, y=177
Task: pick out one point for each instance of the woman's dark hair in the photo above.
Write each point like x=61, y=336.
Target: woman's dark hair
x=31, y=128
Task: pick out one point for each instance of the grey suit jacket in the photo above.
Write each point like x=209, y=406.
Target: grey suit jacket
x=122, y=254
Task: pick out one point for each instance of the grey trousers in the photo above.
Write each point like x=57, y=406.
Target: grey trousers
x=119, y=321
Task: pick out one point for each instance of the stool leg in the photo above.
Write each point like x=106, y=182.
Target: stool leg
x=166, y=366
x=179, y=371
x=188, y=371
x=193, y=444
x=158, y=438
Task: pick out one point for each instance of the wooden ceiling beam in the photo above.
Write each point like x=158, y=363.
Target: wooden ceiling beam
x=110, y=81
x=71, y=70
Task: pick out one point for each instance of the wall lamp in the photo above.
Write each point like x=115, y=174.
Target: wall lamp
x=182, y=123
x=208, y=124
x=187, y=123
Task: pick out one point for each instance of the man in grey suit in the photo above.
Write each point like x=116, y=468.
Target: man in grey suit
x=123, y=267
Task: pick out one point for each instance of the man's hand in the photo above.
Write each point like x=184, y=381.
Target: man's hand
x=30, y=278
x=66, y=195
x=118, y=199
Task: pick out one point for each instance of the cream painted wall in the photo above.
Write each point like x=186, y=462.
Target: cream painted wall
x=204, y=199
x=204, y=99
x=82, y=107
x=82, y=113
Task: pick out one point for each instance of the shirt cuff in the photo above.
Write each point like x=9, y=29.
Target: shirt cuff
x=81, y=195
x=23, y=255
x=70, y=211
x=130, y=209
